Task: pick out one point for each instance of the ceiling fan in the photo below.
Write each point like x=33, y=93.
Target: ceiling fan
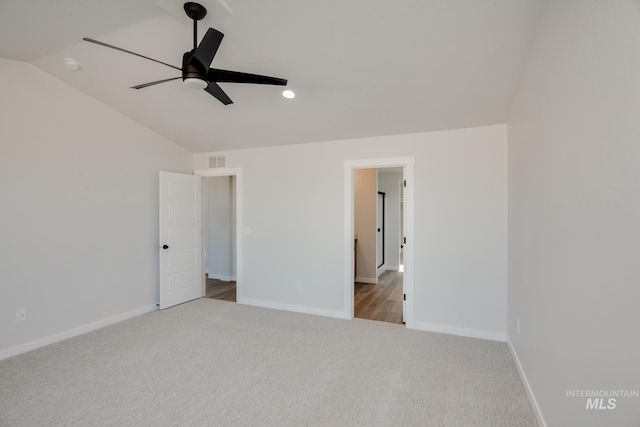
x=196, y=64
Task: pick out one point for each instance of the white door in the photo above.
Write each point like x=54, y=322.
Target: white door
x=403, y=244
x=180, y=238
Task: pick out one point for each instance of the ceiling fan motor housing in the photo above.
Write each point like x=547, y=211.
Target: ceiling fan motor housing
x=190, y=69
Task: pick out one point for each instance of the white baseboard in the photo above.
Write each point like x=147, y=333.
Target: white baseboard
x=294, y=308
x=41, y=342
x=221, y=277
x=527, y=387
x=367, y=280
x=463, y=332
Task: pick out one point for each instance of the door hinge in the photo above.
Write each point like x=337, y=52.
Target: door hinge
x=404, y=297
x=405, y=183
x=404, y=239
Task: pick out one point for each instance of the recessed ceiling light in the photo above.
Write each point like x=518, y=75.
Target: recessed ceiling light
x=289, y=94
x=72, y=64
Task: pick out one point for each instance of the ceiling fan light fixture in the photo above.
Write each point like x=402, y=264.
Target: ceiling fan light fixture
x=195, y=83
x=289, y=94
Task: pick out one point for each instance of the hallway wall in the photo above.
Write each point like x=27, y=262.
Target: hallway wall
x=389, y=182
x=364, y=223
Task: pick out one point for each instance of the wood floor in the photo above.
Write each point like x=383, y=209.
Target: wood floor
x=217, y=289
x=382, y=301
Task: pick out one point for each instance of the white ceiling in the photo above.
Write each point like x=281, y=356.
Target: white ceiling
x=359, y=67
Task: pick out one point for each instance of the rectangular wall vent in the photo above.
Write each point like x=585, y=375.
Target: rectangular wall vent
x=217, y=161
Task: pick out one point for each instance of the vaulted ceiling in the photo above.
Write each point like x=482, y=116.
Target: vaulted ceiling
x=359, y=67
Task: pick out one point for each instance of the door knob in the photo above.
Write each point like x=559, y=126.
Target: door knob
x=165, y=247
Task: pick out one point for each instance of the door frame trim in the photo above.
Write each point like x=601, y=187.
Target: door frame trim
x=237, y=173
x=382, y=230
x=407, y=163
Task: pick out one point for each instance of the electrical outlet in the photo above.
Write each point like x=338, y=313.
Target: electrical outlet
x=21, y=315
x=298, y=285
x=518, y=326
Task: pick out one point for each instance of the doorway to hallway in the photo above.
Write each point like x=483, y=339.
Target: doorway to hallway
x=220, y=237
x=378, y=288
x=232, y=226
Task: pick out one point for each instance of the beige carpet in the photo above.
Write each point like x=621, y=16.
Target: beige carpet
x=216, y=363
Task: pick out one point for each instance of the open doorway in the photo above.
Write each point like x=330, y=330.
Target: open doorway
x=219, y=235
x=378, y=238
x=405, y=235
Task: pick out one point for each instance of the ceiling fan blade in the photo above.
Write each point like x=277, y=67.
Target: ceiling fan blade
x=154, y=83
x=217, y=91
x=207, y=48
x=226, y=76
x=87, y=39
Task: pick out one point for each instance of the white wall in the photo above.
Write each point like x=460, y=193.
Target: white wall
x=79, y=215
x=364, y=224
x=293, y=216
x=219, y=227
x=574, y=207
x=389, y=183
